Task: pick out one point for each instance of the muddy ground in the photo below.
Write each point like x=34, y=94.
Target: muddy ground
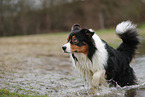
x=36, y=65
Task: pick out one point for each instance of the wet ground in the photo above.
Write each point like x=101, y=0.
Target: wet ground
x=34, y=65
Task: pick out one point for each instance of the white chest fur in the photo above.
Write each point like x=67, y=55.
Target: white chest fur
x=99, y=58
x=92, y=70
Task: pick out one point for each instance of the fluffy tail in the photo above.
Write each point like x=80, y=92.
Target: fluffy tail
x=129, y=35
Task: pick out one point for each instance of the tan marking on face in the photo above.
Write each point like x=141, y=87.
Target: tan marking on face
x=67, y=38
x=73, y=37
x=82, y=49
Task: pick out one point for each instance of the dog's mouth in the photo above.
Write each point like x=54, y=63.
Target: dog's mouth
x=65, y=51
x=70, y=52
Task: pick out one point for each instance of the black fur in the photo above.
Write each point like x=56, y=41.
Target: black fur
x=84, y=35
x=118, y=68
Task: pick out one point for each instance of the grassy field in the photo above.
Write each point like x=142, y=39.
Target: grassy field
x=24, y=56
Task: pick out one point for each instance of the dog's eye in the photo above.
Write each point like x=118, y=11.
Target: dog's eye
x=75, y=41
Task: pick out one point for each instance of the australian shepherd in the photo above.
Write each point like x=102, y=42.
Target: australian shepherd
x=98, y=62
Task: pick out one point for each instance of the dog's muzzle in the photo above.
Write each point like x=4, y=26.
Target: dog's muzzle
x=66, y=48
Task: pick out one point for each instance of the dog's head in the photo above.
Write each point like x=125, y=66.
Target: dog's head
x=79, y=40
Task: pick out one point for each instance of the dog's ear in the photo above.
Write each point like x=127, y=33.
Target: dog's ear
x=75, y=27
x=89, y=32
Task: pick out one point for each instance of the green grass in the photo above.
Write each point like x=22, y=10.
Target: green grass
x=142, y=29
x=6, y=93
x=142, y=26
x=104, y=31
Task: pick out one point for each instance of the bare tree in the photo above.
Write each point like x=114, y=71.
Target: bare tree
x=101, y=20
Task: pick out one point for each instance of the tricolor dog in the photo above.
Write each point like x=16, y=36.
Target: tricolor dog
x=98, y=62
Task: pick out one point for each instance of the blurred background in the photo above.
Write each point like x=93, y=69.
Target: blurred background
x=23, y=17
x=31, y=59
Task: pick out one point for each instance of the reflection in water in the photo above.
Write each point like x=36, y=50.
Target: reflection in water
x=130, y=93
x=135, y=93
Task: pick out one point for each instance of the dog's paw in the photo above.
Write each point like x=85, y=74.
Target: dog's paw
x=92, y=90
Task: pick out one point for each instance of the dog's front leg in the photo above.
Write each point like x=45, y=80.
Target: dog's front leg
x=89, y=77
x=98, y=79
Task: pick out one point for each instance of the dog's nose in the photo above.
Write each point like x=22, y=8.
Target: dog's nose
x=64, y=48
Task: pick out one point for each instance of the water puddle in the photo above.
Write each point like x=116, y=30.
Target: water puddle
x=55, y=76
